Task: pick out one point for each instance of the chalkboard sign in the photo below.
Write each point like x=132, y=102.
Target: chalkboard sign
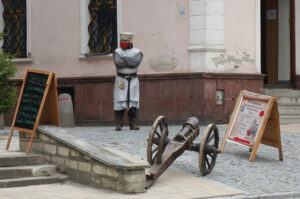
x=31, y=99
x=255, y=120
x=38, y=102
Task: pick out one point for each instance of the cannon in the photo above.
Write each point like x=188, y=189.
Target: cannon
x=163, y=151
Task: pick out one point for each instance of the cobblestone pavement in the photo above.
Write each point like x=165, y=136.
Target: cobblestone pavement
x=266, y=175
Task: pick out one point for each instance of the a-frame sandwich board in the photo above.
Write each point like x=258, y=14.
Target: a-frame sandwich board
x=255, y=120
x=37, y=103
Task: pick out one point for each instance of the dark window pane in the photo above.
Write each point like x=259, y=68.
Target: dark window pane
x=103, y=26
x=14, y=16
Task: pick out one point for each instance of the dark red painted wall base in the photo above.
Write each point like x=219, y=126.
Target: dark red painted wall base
x=176, y=96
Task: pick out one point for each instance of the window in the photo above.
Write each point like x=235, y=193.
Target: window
x=102, y=28
x=15, y=33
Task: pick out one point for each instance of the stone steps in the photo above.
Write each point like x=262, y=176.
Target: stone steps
x=19, y=169
x=288, y=104
x=288, y=101
x=27, y=181
x=287, y=97
x=20, y=159
x=282, y=92
x=289, y=110
x=27, y=171
x=289, y=119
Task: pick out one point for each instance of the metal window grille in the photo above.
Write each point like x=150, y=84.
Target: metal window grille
x=15, y=36
x=103, y=26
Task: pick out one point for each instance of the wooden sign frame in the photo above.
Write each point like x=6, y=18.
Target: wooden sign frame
x=48, y=111
x=268, y=131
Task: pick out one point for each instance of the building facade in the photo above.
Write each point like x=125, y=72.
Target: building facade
x=198, y=54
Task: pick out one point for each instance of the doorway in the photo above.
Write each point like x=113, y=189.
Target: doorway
x=278, y=42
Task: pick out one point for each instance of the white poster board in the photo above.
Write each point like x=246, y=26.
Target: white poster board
x=247, y=121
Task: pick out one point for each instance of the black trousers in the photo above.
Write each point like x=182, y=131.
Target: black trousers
x=131, y=112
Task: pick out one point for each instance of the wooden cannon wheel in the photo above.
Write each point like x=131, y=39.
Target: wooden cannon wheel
x=159, y=132
x=208, y=149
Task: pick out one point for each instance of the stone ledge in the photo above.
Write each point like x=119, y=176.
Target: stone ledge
x=86, y=163
x=110, y=157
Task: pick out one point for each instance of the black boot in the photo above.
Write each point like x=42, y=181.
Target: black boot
x=132, y=124
x=119, y=120
x=132, y=118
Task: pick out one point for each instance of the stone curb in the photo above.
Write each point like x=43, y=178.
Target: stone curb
x=265, y=196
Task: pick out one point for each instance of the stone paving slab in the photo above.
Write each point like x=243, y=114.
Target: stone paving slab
x=290, y=128
x=173, y=184
x=184, y=185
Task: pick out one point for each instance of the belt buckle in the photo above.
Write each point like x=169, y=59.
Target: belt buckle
x=127, y=77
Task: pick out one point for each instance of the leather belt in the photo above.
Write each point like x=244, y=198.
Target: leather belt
x=127, y=76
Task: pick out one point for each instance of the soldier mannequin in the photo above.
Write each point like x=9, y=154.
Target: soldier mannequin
x=126, y=89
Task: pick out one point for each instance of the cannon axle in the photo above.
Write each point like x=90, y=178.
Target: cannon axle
x=193, y=147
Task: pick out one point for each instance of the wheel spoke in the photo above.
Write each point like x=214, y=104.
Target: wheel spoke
x=158, y=134
x=161, y=126
x=216, y=144
x=155, y=156
x=207, y=161
x=210, y=138
x=211, y=155
x=156, y=149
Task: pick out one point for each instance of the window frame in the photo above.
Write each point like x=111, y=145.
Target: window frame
x=84, y=33
x=28, y=32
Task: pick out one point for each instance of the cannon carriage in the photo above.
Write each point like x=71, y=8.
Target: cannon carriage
x=163, y=151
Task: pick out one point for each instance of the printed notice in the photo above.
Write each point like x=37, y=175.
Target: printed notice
x=248, y=121
x=271, y=14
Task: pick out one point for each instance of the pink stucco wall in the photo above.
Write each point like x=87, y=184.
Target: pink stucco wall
x=240, y=33
x=160, y=30
x=161, y=33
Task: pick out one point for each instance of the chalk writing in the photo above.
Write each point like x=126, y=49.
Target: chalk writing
x=31, y=99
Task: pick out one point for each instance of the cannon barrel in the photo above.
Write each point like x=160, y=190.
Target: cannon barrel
x=188, y=130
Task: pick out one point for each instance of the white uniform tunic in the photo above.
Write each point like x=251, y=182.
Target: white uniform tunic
x=127, y=62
